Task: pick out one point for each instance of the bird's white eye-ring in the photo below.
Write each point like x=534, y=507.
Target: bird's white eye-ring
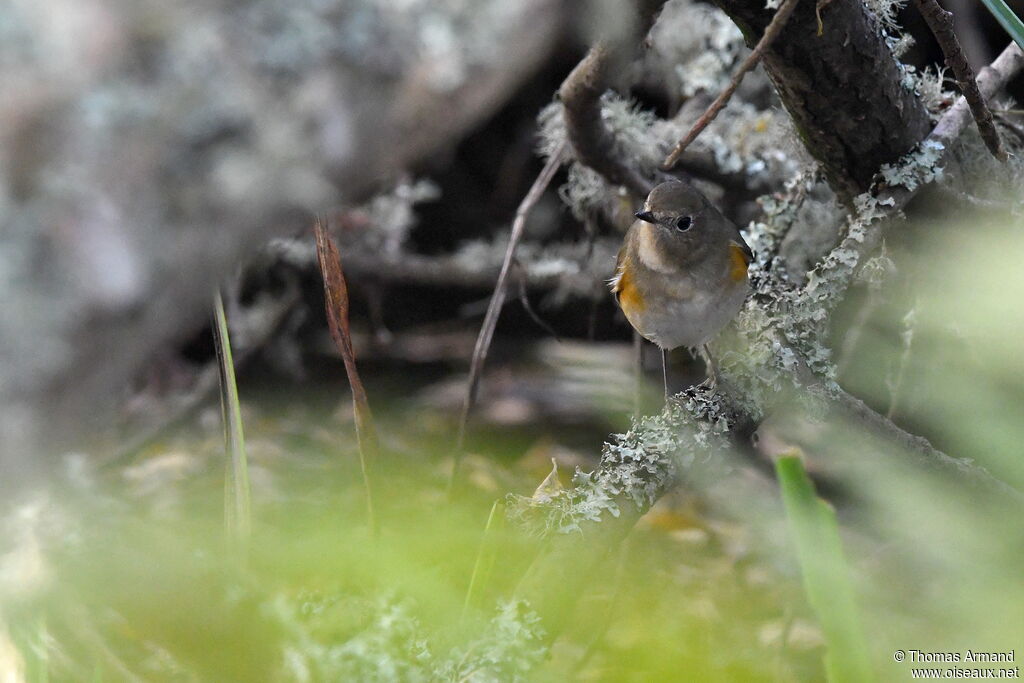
x=684, y=223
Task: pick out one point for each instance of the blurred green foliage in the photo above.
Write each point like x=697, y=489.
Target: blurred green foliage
x=125, y=576
x=1010, y=22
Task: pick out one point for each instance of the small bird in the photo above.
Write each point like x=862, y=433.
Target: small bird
x=681, y=274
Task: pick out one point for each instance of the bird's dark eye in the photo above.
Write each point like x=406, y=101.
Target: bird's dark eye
x=683, y=223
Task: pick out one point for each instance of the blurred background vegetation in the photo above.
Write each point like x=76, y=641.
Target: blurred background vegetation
x=115, y=561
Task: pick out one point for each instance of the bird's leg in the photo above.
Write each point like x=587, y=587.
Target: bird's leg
x=638, y=372
x=664, y=371
x=705, y=353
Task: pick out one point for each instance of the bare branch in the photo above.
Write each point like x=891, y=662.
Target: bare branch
x=941, y=24
x=770, y=34
x=923, y=451
x=592, y=143
x=483, y=341
x=990, y=80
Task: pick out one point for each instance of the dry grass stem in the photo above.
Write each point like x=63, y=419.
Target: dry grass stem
x=336, y=302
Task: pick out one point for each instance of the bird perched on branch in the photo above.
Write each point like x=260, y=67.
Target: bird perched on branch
x=681, y=274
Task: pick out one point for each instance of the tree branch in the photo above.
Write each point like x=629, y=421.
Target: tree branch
x=592, y=143
x=638, y=467
x=842, y=89
x=941, y=24
x=862, y=239
x=922, y=451
x=990, y=80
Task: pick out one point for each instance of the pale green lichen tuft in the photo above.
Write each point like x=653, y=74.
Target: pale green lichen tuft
x=636, y=467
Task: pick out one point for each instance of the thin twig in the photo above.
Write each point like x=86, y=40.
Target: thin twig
x=524, y=299
x=941, y=24
x=483, y=340
x=770, y=33
x=336, y=302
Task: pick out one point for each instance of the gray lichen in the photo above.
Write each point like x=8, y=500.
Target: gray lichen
x=394, y=646
x=887, y=12
x=928, y=84
x=636, y=467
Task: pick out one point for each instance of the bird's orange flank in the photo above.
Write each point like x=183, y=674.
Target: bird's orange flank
x=630, y=298
x=739, y=261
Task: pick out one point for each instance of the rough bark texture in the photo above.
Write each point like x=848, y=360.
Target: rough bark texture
x=842, y=88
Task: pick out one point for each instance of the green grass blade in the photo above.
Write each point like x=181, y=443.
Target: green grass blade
x=485, y=557
x=825, y=572
x=34, y=650
x=236, y=484
x=1010, y=22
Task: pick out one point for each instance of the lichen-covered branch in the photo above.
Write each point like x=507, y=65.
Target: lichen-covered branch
x=899, y=183
x=781, y=332
x=588, y=521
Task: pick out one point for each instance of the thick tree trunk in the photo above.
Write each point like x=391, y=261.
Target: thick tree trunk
x=842, y=88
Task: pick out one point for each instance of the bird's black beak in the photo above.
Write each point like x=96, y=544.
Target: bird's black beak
x=645, y=216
